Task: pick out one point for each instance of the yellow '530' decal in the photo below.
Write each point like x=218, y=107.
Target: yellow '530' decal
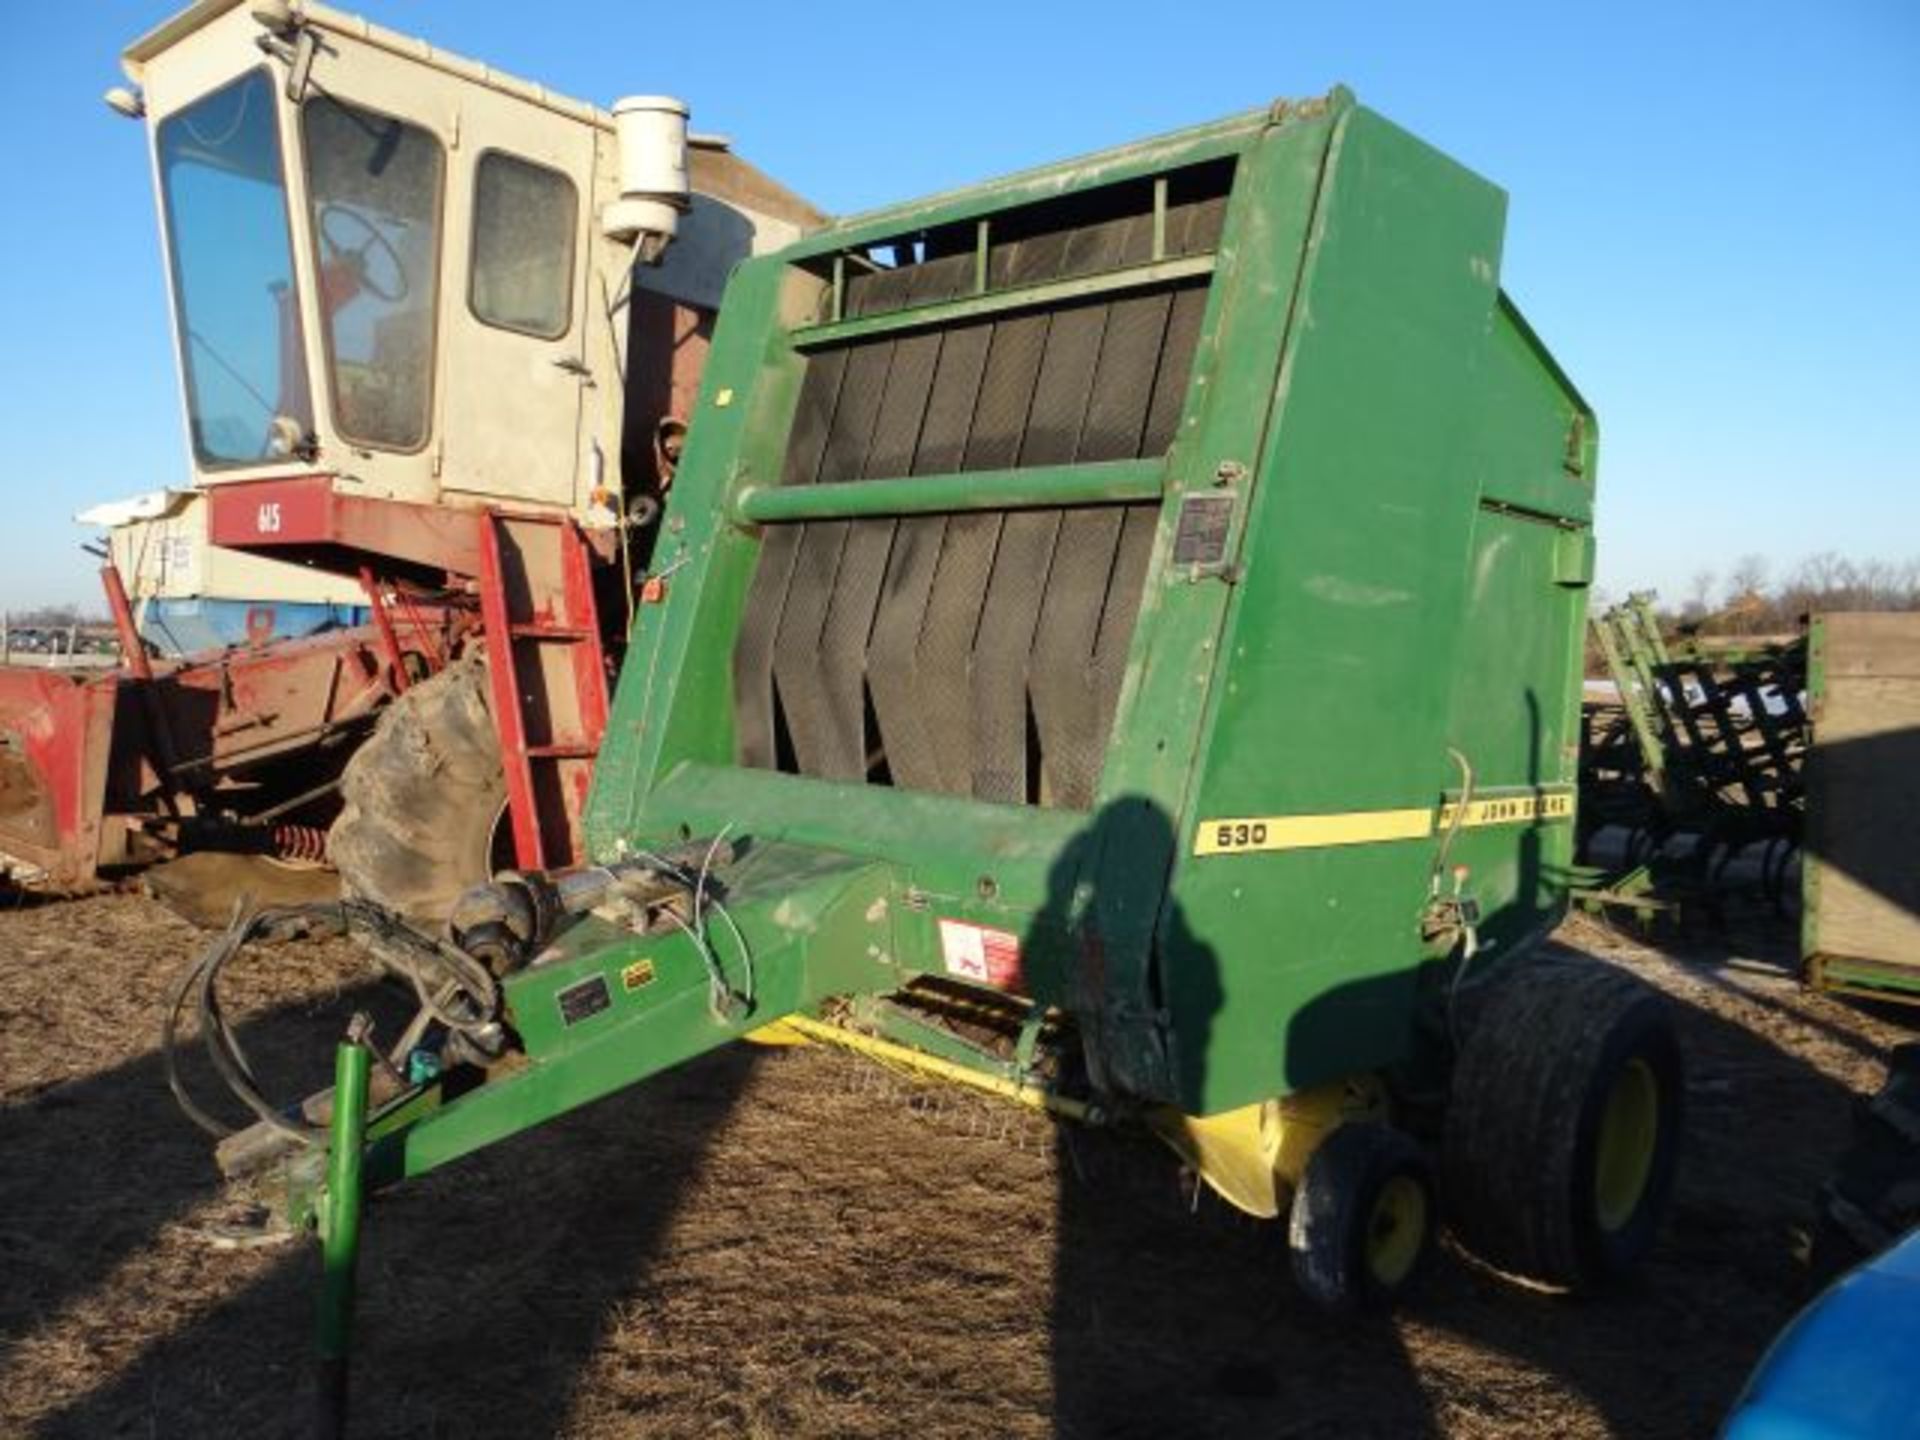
x=1365, y=827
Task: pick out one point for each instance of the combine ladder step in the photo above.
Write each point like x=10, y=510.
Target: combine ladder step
x=549, y=678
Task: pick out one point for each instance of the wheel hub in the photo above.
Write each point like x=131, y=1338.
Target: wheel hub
x=1396, y=1230
x=1629, y=1137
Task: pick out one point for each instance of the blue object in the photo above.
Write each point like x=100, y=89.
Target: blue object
x=422, y=1065
x=189, y=626
x=1848, y=1366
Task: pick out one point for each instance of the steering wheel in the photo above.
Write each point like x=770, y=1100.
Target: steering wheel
x=335, y=218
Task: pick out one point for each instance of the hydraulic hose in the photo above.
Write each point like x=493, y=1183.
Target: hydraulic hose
x=452, y=987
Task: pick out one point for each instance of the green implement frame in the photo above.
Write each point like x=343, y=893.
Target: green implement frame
x=1701, y=743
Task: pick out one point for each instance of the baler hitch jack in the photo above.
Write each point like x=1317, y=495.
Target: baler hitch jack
x=338, y=1218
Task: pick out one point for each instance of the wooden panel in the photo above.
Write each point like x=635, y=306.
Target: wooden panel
x=1863, y=792
x=1867, y=644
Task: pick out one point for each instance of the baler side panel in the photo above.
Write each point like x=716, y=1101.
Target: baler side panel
x=674, y=702
x=1286, y=968
x=1537, y=448
x=1517, y=686
x=1130, y=846
x=1515, y=712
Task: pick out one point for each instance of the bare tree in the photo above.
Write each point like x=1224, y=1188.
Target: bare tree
x=1754, y=603
x=1748, y=577
x=1745, y=608
x=1700, y=596
x=1823, y=574
x=50, y=617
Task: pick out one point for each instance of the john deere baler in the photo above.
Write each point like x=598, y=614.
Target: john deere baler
x=1116, y=642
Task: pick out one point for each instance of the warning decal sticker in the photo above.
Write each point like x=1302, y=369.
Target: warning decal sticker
x=973, y=952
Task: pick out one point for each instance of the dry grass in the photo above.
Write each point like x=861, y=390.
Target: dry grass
x=772, y=1244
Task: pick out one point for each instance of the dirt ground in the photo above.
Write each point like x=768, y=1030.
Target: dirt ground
x=789, y=1243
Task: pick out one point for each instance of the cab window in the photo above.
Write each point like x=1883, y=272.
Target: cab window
x=374, y=183
x=225, y=203
x=524, y=217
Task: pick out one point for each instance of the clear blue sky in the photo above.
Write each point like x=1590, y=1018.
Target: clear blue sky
x=1715, y=217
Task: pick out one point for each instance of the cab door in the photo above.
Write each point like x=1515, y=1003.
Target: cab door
x=377, y=150
x=514, y=314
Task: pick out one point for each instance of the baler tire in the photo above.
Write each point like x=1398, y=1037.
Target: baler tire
x=423, y=797
x=1567, y=1063
x=1362, y=1222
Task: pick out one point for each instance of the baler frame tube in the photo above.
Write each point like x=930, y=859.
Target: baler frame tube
x=1032, y=1095
x=1037, y=487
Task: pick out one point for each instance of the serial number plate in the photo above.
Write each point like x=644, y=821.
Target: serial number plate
x=584, y=999
x=1201, y=536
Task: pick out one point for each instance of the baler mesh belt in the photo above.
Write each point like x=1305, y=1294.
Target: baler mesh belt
x=980, y=653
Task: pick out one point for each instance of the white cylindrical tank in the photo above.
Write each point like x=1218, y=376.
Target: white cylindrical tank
x=652, y=135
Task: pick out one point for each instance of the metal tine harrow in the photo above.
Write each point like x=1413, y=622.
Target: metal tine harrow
x=1696, y=755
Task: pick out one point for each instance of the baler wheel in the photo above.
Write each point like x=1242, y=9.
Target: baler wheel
x=1363, y=1216
x=424, y=797
x=1564, y=1124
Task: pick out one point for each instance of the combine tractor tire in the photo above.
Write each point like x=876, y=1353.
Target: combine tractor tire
x=1363, y=1218
x=1563, y=1127
x=424, y=797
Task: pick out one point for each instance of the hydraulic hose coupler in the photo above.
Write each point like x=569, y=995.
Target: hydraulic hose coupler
x=504, y=923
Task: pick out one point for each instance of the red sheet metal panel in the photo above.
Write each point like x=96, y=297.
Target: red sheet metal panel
x=339, y=531
x=56, y=733
x=86, y=762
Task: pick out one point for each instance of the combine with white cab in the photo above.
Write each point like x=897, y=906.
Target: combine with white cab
x=439, y=330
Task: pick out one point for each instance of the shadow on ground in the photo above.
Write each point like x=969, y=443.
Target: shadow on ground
x=485, y=1289
x=1164, y=1323
x=758, y=1246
